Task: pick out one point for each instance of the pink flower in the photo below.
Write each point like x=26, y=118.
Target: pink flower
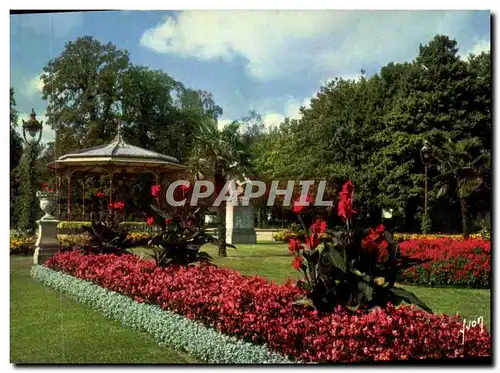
x=150, y=221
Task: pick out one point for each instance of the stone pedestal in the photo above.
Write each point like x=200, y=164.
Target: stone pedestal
x=47, y=243
x=240, y=224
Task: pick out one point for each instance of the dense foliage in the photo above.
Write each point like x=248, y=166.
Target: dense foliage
x=261, y=312
x=371, y=130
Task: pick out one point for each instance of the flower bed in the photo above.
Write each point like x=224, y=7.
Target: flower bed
x=166, y=327
x=287, y=234
x=21, y=243
x=257, y=311
x=400, y=237
x=464, y=263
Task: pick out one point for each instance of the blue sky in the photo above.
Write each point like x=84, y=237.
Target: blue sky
x=268, y=61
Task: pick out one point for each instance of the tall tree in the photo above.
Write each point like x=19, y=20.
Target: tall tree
x=370, y=130
x=221, y=155
x=153, y=120
x=83, y=86
x=16, y=151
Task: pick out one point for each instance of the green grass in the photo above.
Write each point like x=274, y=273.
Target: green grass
x=274, y=262
x=47, y=327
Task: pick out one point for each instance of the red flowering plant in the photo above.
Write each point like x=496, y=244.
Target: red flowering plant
x=351, y=266
x=107, y=235
x=181, y=236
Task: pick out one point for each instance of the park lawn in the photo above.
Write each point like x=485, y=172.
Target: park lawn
x=47, y=327
x=274, y=262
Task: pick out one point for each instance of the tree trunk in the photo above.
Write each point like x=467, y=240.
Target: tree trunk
x=465, y=217
x=221, y=229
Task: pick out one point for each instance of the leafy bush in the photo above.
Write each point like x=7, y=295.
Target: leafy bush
x=180, y=240
x=462, y=263
x=22, y=243
x=76, y=226
x=258, y=311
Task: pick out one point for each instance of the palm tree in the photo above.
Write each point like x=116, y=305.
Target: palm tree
x=223, y=155
x=463, y=166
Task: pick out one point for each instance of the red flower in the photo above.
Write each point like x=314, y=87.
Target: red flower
x=119, y=205
x=297, y=262
x=319, y=226
x=51, y=190
x=185, y=187
x=168, y=221
x=312, y=241
x=375, y=239
x=155, y=190
x=44, y=186
x=344, y=208
x=100, y=194
x=298, y=208
x=294, y=246
x=150, y=221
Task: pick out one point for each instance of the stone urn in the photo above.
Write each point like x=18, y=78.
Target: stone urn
x=48, y=203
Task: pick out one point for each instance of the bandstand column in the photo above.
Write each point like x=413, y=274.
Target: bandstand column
x=69, y=196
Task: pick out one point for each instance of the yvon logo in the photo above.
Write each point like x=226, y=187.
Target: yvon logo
x=472, y=324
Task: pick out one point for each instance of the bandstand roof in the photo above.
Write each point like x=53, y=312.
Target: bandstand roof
x=118, y=156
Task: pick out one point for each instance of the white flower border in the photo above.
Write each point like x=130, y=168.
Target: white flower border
x=166, y=327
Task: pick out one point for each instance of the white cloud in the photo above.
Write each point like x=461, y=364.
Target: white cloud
x=287, y=43
x=221, y=123
x=480, y=46
x=32, y=86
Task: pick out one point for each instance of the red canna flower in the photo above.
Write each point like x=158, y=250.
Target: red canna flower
x=312, y=241
x=100, y=194
x=319, y=226
x=51, y=190
x=150, y=221
x=294, y=246
x=298, y=208
x=44, y=186
x=155, y=190
x=168, y=221
x=297, y=262
x=119, y=205
x=345, y=210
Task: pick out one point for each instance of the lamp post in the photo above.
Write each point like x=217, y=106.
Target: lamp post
x=425, y=157
x=34, y=128
x=32, y=132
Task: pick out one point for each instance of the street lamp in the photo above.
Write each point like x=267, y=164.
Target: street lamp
x=33, y=127
x=425, y=156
